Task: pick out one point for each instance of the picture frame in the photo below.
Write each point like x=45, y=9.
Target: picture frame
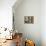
x=29, y=19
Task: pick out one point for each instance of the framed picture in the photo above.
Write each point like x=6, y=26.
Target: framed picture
x=29, y=19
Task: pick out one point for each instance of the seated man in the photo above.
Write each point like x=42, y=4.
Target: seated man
x=18, y=39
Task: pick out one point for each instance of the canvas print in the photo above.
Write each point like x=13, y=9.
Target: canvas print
x=29, y=19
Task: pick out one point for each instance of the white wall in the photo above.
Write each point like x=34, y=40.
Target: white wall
x=6, y=13
x=29, y=8
x=43, y=22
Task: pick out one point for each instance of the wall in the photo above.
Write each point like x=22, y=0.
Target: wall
x=23, y=28
x=6, y=13
x=29, y=8
x=43, y=22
